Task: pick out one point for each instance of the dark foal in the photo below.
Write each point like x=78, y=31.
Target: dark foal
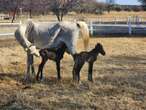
x=90, y=57
x=55, y=55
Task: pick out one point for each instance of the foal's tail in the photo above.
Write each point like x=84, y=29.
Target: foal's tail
x=84, y=33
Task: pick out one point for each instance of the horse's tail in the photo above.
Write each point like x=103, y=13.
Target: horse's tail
x=84, y=33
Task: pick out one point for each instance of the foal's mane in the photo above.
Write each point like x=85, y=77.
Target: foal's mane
x=96, y=48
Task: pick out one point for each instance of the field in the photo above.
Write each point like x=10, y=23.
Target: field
x=119, y=79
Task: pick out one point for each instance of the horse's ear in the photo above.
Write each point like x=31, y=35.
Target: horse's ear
x=78, y=25
x=98, y=45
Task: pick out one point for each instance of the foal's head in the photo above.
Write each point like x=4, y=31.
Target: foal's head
x=99, y=48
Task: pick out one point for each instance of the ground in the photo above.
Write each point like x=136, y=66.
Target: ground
x=119, y=79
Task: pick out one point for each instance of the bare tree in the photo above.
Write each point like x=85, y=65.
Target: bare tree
x=62, y=7
x=143, y=3
x=10, y=6
x=110, y=4
x=58, y=7
x=16, y=7
x=30, y=5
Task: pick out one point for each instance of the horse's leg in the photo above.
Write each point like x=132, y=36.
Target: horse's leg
x=40, y=69
x=32, y=65
x=58, y=69
x=90, y=70
x=27, y=77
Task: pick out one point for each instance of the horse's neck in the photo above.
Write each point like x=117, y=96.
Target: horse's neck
x=94, y=51
x=61, y=50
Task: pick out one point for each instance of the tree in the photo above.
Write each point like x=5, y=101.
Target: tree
x=143, y=3
x=16, y=7
x=58, y=7
x=110, y=4
x=88, y=6
x=62, y=7
x=10, y=6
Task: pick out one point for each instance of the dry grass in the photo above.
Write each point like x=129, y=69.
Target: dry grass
x=71, y=16
x=119, y=80
x=7, y=29
x=124, y=14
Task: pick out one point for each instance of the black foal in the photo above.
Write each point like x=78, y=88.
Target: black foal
x=55, y=55
x=90, y=57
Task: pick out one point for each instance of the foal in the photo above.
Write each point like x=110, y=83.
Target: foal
x=90, y=57
x=55, y=55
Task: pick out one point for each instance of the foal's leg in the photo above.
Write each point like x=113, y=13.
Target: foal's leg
x=58, y=69
x=76, y=70
x=90, y=71
x=40, y=69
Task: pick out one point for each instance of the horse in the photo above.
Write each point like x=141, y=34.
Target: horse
x=34, y=36
x=89, y=57
x=52, y=55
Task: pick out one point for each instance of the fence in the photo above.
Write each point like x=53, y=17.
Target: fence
x=132, y=25
x=129, y=26
x=117, y=29
x=120, y=20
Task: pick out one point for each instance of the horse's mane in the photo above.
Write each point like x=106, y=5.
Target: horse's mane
x=29, y=28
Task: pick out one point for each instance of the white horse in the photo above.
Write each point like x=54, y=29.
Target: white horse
x=35, y=36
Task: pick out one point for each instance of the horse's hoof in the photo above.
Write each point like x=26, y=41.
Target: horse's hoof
x=42, y=79
x=37, y=79
x=26, y=77
x=76, y=81
x=91, y=80
x=59, y=78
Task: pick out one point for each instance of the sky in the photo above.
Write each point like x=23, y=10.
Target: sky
x=125, y=2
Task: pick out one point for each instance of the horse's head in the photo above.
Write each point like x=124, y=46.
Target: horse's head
x=32, y=50
x=100, y=49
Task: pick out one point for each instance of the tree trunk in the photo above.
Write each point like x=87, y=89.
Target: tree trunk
x=14, y=14
x=61, y=16
x=30, y=13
